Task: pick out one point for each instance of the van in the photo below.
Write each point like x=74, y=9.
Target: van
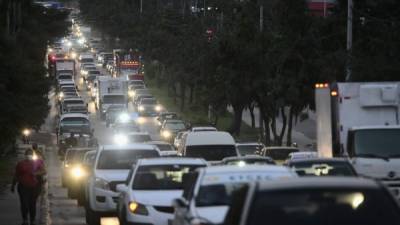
x=211, y=145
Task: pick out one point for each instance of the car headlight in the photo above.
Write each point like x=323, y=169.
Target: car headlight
x=61, y=95
x=131, y=93
x=141, y=120
x=73, y=55
x=102, y=184
x=120, y=139
x=77, y=172
x=123, y=118
x=166, y=134
x=141, y=108
x=137, y=208
x=158, y=108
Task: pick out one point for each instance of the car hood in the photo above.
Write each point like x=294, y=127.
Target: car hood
x=112, y=175
x=378, y=168
x=156, y=198
x=215, y=214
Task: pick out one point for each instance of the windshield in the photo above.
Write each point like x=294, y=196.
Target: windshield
x=77, y=109
x=210, y=152
x=323, y=168
x=68, y=88
x=87, y=60
x=249, y=149
x=94, y=72
x=165, y=147
x=65, y=77
x=139, y=138
x=315, y=207
x=381, y=142
x=122, y=159
x=114, y=99
x=75, y=156
x=84, y=129
x=280, y=153
x=161, y=177
x=73, y=102
x=76, y=121
x=175, y=126
x=148, y=101
x=216, y=194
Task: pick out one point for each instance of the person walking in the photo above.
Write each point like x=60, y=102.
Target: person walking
x=28, y=187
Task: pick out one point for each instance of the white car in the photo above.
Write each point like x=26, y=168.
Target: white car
x=210, y=195
x=111, y=168
x=166, y=149
x=152, y=186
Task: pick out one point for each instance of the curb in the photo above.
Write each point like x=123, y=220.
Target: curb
x=45, y=206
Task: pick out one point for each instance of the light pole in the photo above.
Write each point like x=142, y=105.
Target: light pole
x=141, y=6
x=349, y=38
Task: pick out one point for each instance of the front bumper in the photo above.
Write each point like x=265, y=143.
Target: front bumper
x=159, y=215
x=104, y=200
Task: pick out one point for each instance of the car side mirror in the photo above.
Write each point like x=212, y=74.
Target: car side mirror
x=121, y=188
x=180, y=203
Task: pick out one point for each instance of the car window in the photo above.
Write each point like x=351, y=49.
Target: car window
x=323, y=168
x=210, y=152
x=161, y=177
x=249, y=149
x=217, y=194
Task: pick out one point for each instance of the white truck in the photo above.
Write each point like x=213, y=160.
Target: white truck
x=361, y=121
x=65, y=66
x=110, y=92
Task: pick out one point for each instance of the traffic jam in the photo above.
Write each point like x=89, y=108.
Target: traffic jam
x=124, y=155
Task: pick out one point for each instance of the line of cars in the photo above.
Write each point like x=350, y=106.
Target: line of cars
x=211, y=179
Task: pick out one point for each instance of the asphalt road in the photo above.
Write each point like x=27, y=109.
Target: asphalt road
x=64, y=211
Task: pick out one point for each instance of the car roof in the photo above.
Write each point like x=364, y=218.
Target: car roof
x=204, y=128
x=230, y=169
x=172, y=161
x=74, y=115
x=319, y=160
x=81, y=149
x=282, y=147
x=137, y=133
x=158, y=143
x=376, y=127
x=173, y=121
x=319, y=182
x=129, y=147
x=249, y=143
x=209, y=138
x=232, y=158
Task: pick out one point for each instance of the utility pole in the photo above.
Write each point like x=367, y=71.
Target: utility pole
x=204, y=11
x=324, y=8
x=261, y=18
x=141, y=6
x=349, y=38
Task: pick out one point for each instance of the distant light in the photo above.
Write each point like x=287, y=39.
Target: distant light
x=26, y=132
x=334, y=93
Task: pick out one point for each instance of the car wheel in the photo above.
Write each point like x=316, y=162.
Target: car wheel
x=92, y=218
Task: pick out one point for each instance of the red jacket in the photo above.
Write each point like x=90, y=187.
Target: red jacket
x=25, y=170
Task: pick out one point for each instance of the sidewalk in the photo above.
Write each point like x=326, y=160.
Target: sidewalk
x=304, y=133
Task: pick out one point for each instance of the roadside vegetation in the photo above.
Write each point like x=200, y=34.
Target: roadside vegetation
x=25, y=30
x=230, y=55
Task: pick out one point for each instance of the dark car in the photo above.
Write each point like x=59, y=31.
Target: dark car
x=278, y=153
x=72, y=173
x=249, y=148
x=323, y=167
x=170, y=128
x=314, y=201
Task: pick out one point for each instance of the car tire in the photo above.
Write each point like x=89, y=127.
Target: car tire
x=122, y=217
x=92, y=218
